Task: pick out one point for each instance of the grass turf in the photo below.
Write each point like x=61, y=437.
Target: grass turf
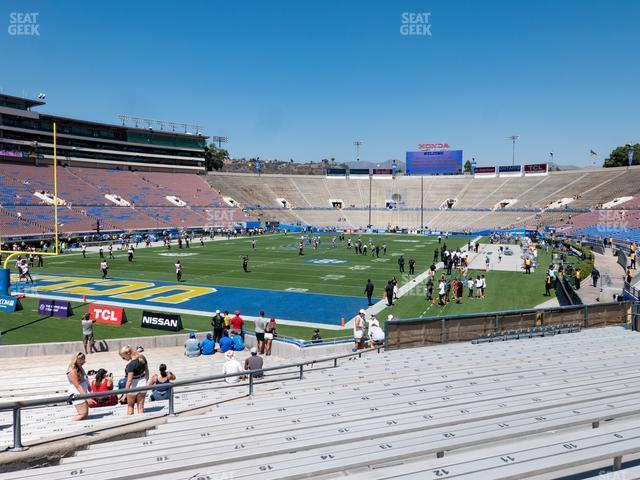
x=274, y=264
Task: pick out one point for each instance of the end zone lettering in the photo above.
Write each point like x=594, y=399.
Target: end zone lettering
x=108, y=315
x=161, y=321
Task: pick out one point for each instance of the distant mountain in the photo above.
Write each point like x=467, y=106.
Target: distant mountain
x=555, y=167
x=385, y=164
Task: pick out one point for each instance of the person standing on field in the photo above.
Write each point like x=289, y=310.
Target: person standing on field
x=88, y=340
x=368, y=290
x=178, y=271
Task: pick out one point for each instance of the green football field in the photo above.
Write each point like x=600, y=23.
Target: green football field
x=273, y=265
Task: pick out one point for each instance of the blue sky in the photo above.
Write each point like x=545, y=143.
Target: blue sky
x=303, y=80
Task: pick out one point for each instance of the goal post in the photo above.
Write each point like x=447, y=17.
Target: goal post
x=5, y=275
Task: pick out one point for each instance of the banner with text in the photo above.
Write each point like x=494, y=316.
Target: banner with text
x=108, y=315
x=161, y=321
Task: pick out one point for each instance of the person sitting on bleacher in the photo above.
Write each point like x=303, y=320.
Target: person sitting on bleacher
x=102, y=383
x=164, y=376
x=376, y=336
x=78, y=384
x=191, y=346
x=231, y=366
x=238, y=344
x=208, y=345
x=225, y=342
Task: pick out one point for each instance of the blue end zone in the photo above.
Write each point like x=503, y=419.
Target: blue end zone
x=311, y=308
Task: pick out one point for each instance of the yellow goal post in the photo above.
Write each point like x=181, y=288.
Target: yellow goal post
x=56, y=246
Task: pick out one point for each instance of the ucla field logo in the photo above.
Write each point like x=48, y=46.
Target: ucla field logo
x=326, y=261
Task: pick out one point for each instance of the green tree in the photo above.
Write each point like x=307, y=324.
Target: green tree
x=467, y=166
x=619, y=156
x=214, y=157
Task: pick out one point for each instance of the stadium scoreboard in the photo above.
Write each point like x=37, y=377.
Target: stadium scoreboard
x=439, y=162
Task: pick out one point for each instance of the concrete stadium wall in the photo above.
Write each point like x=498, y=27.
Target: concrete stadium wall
x=280, y=349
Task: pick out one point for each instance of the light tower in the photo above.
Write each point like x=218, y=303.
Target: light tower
x=513, y=138
x=357, y=143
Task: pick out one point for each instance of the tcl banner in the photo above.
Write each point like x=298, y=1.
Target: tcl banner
x=109, y=315
x=161, y=321
x=535, y=168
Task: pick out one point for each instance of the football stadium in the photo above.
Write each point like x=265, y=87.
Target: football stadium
x=177, y=302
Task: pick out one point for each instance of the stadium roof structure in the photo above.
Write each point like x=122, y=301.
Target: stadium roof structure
x=34, y=103
x=27, y=102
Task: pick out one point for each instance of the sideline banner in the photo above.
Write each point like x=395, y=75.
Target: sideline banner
x=54, y=308
x=161, y=321
x=9, y=304
x=108, y=315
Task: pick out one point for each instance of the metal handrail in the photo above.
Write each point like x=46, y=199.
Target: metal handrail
x=17, y=406
x=493, y=314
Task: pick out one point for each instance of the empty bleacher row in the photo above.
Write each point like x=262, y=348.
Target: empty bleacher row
x=543, y=408
x=83, y=192
x=45, y=377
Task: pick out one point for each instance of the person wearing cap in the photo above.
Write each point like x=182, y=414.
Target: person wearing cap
x=191, y=346
x=238, y=343
x=376, y=336
x=358, y=329
x=208, y=345
x=225, y=342
x=372, y=321
x=316, y=338
x=217, y=322
x=231, y=366
x=254, y=362
x=237, y=323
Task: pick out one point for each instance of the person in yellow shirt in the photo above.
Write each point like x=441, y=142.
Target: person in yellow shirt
x=227, y=320
x=578, y=277
x=632, y=259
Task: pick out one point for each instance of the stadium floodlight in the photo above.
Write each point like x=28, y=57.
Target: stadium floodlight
x=150, y=123
x=220, y=140
x=513, y=138
x=42, y=96
x=357, y=143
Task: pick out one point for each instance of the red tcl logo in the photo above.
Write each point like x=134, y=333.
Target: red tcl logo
x=104, y=314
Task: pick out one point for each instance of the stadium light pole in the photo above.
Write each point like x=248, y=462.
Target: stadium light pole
x=357, y=143
x=421, y=202
x=220, y=140
x=370, y=186
x=513, y=138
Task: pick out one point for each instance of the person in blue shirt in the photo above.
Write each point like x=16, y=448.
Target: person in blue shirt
x=225, y=342
x=191, y=346
x=238, y=344
x=208, y=345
